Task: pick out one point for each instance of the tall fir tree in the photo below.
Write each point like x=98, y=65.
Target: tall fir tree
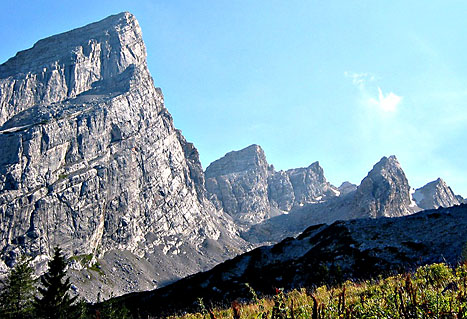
x=17, y=295
x=55, y=301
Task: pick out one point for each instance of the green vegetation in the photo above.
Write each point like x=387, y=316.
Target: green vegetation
x=17, y=295
x=54, y=300
x=83, y=260
x=97, y=268
x=433, y=291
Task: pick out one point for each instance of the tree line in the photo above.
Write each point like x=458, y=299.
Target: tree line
x=23, y=297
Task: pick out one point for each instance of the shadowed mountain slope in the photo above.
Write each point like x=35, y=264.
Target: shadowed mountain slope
x=354, y=249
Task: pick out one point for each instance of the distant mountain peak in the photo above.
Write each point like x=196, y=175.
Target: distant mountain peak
x=435, y=194
x=248, y=158
x=385, y=191
x=385, y=163
x=249, y=189
x=347, y=187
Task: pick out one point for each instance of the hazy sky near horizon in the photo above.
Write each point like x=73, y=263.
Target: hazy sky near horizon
x=339, y=82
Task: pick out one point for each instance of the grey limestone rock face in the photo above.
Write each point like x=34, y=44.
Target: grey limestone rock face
x=310, y=185
x=435, y=194
x=250, y=190
x=90, y=159
x=347, y=187
x=384, y=192
x=281, y=191
x=68, y=64
x=239, y=182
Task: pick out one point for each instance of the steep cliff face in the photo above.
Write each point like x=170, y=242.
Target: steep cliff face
x=309, y=184
x=239, y=181
x=90, y=159
x=384, y=192
x=65, y=65
x=435, y=194
x=250, y=190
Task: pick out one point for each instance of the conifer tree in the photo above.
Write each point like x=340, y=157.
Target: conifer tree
x=55, y=301
x=16, y=298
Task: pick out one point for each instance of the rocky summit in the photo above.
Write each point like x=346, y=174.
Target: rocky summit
x=90, y=161
x=436, y=194
x=245, y=186
x=384, y=192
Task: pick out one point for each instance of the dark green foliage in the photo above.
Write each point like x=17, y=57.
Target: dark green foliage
x=112, y=310
x=16, y=298
x=55, y=301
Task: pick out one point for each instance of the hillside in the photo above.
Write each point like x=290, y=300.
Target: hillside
x=356, y=249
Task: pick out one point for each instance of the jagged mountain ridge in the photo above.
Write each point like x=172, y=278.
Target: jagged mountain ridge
x=90, y=160
x=68, y=64
x=251, y=191
x=384, y=192
x=356, y=249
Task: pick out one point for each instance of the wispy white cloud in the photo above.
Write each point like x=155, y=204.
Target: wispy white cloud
x=372, y=95
x=360, y=79
x=386, y=103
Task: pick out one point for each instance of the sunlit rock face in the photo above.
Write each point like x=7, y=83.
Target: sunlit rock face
x=436, y=194
x=251, y=191
x=384, y=192
x=90, y=161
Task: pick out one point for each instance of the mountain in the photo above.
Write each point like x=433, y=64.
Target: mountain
x=461, y=200
x=356, y=249
x=435, y=194
x=239, y=182
x=90, y=160
x=384, y=192
x=346, y=187
x=246, y=187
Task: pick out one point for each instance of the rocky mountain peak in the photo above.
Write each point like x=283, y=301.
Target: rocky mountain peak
x=310, y=185
x=249, y=189
x=347, y=187
x=387, y=166
x=248, y=158
x=385, y=191
x=65, y=65
x=435, y=194
x=237, y=183
x=90, y=160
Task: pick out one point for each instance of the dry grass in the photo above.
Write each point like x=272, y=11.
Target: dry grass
x=433, y=291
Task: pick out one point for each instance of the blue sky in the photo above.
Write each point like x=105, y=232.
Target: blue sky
x=341, y=82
